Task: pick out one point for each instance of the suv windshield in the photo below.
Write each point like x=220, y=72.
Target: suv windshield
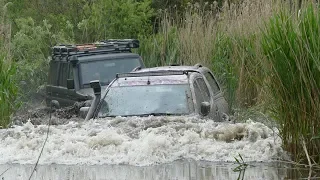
x=105, y=70
x=146, y=100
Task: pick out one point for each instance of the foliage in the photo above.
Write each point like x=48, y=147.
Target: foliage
x=293, y=50
x=160, y=49
x=56, y=12
x=89, y=20
x=8, y=90
x=115, y=19
x=30, y=50
x=181, y=5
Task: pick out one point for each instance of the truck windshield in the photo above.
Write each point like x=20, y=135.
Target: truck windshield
x=105, y=70
x=165, y=99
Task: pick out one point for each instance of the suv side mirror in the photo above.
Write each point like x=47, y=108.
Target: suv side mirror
x=70, y=83
x=204, y=108
x=83, y=112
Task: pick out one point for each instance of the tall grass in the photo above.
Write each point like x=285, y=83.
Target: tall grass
x=8, y=91
x=8, y=87
x=292, y=45
x=226, y=40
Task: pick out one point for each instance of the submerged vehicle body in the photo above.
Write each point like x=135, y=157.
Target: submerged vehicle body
x=169, y=90
x=73, y=67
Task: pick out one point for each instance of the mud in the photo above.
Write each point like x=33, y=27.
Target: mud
x=41, y=115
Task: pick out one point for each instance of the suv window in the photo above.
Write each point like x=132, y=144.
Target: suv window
x=201, y=91
x=63, y=73
x=204, y=89
x=212, y=82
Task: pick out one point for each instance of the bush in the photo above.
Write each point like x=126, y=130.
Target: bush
x=31, y=48
x=115, y=19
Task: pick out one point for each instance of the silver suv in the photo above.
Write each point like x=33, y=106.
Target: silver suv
x=158, y=91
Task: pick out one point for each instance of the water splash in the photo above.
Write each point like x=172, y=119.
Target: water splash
x=140, y=141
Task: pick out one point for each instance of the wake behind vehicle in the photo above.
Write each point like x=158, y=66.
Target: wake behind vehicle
x=161, y=91
x=73, y=67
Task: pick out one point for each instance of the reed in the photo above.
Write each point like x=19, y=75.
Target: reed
x=8, y=91
x=292, y=45
x=8, y=87
x=224, y=39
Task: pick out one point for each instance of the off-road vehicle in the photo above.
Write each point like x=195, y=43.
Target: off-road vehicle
x=170, y=90
x=73, y=67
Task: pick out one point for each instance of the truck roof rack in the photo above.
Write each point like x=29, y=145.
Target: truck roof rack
x=100, y=47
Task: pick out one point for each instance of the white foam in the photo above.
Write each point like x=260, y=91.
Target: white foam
x=140, y=141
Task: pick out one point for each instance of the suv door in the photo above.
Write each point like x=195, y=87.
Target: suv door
x=202, y=94
x=57, y=86
x=218, y=99
x=61, y=91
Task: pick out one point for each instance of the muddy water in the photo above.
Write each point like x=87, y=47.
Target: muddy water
x=141, y=148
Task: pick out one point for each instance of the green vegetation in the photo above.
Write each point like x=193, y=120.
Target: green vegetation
x=265, y=55
x=8, y=91
x=292, y=46
x=30, y=50
x=8, y=87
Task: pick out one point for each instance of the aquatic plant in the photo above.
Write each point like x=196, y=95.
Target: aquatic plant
x=241, y=164
x=241, y=168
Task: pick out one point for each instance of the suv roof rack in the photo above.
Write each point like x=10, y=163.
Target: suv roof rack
x=100, y=47
x=154, y=73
